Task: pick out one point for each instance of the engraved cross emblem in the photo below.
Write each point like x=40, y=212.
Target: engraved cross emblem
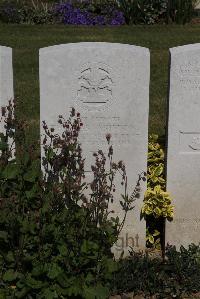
x=95, y=84
x=195, y=144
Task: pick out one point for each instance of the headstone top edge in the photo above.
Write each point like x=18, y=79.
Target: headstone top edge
x=184, y=48
x=95, y=44
x=4, y=49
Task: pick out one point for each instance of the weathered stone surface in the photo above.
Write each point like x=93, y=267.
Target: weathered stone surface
x=183, y=158
x=115, y=297
x=109, y=85
x=6, y=77
x=139, y=297
x=197, y=6
x=127, y=296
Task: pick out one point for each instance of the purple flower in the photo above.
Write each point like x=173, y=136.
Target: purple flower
x=84, y=15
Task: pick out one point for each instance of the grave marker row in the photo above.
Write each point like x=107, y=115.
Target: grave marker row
x=109, y=85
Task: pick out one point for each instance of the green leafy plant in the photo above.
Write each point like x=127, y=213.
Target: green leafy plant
x=180, y=11
x=152, y=238
x=143, y=11
x=157, y=202
x=28, y=12
x=56, y=230
x=178, y=276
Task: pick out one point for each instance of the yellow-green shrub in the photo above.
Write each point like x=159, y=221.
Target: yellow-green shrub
x=157, y=202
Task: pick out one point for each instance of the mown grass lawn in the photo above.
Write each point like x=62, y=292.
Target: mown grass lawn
x=27, y=39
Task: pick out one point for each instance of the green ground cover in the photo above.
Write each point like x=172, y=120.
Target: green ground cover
x=27, y=39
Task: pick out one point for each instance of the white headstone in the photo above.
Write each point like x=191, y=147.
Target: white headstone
x=109, y=85
x=6, y=76
x=183, y=158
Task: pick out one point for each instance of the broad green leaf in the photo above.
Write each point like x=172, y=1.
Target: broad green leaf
x=32, y=193
x=31, y=175
x=102, y=292
x=63, y=250
x=157, y=211
x=3, y=146
x=22, y=293
x=2, y=294
x=89, y=293
x=98, y=292
x=10, y=275
x=11, y=171
x=151, y=239
x=54, y=271
x=112, y=265
x=49, y=294
x=50, y=154
x=10, y=257
x=156, y=233
x=37, y=270
x=33, y=283
x=150, y=154
x=4, y=236
x=158, y=170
